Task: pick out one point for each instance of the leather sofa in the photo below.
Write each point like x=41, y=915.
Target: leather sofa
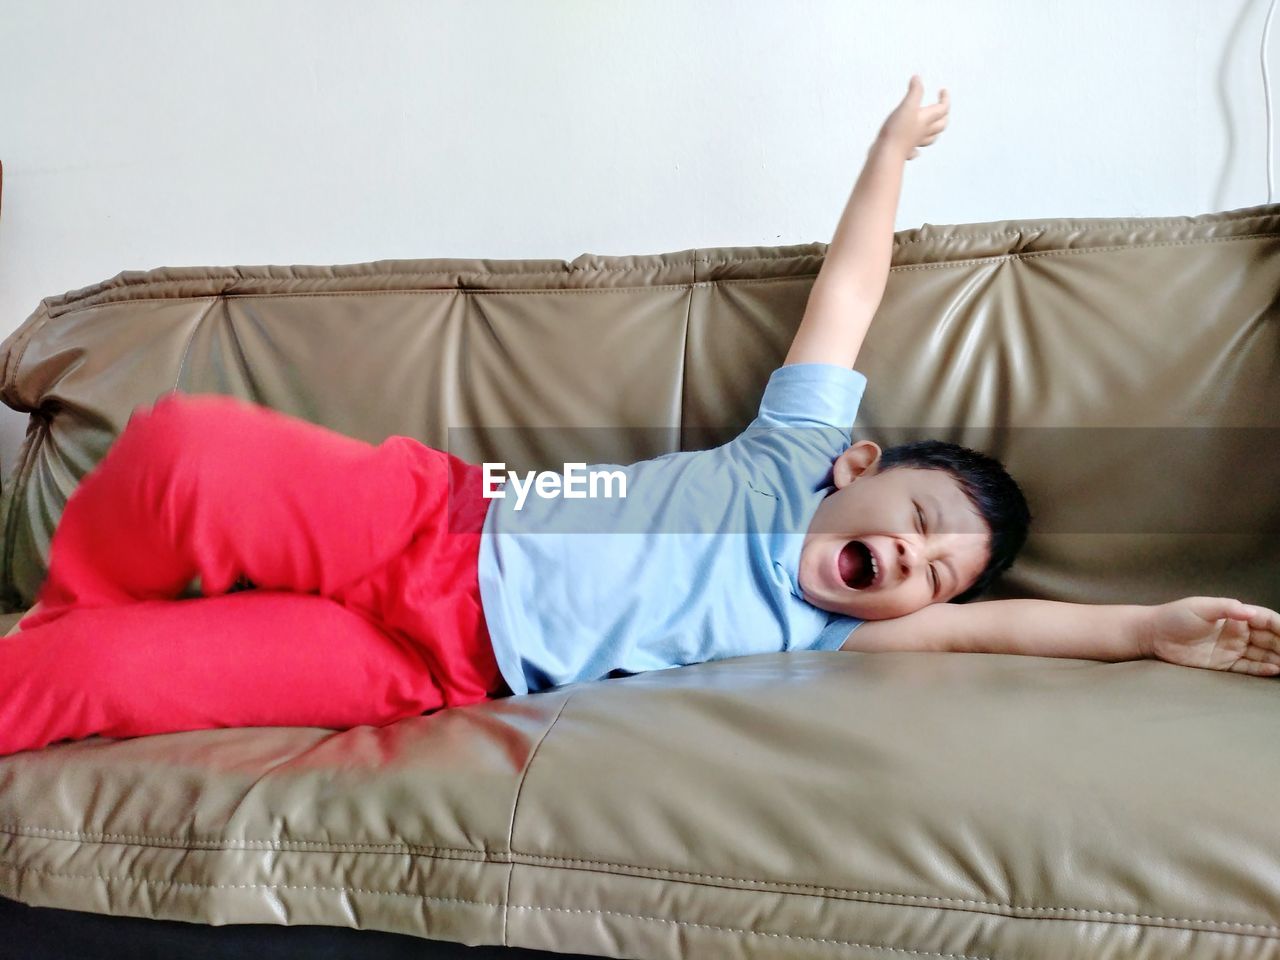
x=813, y=804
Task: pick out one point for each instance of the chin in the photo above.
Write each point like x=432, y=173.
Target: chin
x=877, y=615
x=846, y=608
x=841, y=607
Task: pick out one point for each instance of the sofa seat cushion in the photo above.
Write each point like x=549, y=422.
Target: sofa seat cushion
x=952, y=804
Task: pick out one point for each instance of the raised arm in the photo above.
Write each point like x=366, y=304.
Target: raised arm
x=1217, y=633
x=851, y=283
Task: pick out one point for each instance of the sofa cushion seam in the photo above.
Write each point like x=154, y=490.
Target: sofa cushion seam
x=628, y=869
x=515, y=807
x=1099, y=916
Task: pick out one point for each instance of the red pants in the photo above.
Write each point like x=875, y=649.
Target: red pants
x=366, y=607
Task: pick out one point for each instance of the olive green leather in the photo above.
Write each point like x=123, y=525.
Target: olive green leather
x=812, y=804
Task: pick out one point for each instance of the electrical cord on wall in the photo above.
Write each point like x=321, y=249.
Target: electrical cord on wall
x=1266, y=91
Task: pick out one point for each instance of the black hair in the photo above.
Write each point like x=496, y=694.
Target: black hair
x=987, y=484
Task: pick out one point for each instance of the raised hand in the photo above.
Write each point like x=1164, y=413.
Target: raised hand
x=912, y=126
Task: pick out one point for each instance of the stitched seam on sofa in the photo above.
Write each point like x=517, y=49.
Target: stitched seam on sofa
x=679, y=286
x=766, y=933
x=1210, y=221
x=343, y=272
x=1066, y=223
x=18, y=829
x=533, y=859
x=786, y=936
x=1031, y=255
x=223, y=273
x=515, y=806
x=17, y=363
x=684, y=364
x=111, y=303
x=936, y=231
x=1018, y=911
x=20, y=480
x=1102, y=916
x=191, y=339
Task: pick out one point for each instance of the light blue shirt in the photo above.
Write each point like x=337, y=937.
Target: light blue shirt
x=698, y=562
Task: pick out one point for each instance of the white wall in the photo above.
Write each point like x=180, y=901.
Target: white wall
x=145, y=133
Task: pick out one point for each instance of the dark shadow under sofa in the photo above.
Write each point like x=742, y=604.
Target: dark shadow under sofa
x=812, y=804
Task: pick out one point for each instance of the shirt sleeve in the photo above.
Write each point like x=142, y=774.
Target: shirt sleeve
x=812, y=395
x=836, y=632
x=804, y=423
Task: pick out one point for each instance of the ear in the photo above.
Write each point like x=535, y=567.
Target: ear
x=860, y=458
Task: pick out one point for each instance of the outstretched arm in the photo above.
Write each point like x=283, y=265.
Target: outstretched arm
x=854, y=272
x=1216, y=633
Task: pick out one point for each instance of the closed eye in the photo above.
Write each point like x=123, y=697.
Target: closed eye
x=933, y=574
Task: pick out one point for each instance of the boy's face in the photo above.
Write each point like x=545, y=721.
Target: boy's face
x=879, y=510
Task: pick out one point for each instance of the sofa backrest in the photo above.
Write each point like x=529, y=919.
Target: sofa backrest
x=1125, y=371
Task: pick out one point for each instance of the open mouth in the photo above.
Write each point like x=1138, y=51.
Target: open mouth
x=858, y=566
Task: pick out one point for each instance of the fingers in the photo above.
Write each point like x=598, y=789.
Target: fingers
x=929, y=121
x=1255, y=669
x=915, y=93
x=1264, y=639
x=1264, y=623
x=1259, y=663
x=1262, y=655
x=1261, y=618
x=915, y=90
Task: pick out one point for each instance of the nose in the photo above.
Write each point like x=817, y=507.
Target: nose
x=908, y=557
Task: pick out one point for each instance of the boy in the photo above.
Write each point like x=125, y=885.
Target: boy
x=903, y=532
x=388, y=584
